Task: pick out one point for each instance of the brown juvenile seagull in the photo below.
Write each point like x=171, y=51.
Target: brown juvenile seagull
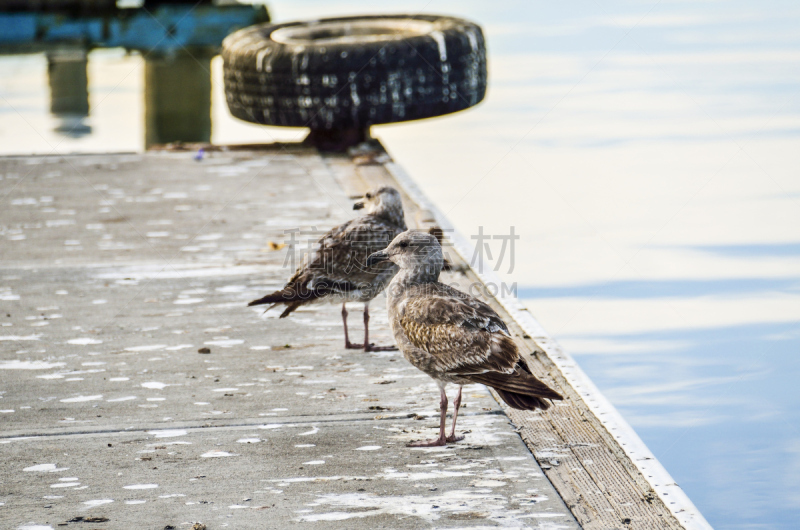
x=336, y=272
x=451, y=336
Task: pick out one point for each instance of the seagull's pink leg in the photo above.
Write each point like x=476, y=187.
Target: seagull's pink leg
x=441, y=440
x=347, y=344
x=367, y=345
x=457, y=403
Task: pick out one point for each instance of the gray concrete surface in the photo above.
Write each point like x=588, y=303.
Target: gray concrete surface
x=117, y=268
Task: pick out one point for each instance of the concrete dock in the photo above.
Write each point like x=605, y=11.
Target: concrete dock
x=118, y=270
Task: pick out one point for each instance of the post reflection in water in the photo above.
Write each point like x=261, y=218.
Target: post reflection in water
x=177, y=95
x=69, y=91
x=176, y=38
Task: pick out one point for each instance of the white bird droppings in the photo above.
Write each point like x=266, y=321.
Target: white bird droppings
x=16, y=338
x=98, y=502
x=155, y=385
x=48, y=468
x=224, y=343
x=488, y=483
x=369, y=448
x=180, y=347
x=216, y=454
x=314, y=430
x=28, y=365
x=65, y=484
x=168, y=433
x=232, y=289
x=81, y=399
x=187, y=301
x=140, y=487
x=84, y=341
x=150, y=347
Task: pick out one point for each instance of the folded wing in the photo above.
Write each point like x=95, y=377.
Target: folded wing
x=468, y=339
x=337, y=266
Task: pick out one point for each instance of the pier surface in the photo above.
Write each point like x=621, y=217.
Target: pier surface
x=119, y=270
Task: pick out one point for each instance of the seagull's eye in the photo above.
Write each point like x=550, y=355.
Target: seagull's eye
x=403, y=244
x=368, y=195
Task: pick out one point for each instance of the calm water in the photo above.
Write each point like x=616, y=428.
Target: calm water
x=647, y=154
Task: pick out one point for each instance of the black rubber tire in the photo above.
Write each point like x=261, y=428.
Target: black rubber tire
x=350, y=73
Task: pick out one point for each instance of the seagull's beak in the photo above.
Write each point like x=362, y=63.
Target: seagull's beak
x=358, y=205
x=377, y=257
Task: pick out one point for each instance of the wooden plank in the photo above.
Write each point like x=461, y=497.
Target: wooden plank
x=345, y=174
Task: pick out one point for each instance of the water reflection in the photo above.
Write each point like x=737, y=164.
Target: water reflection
x=177, y=40
x=177, y=95
x=69, y=91
x=717, y=406
x=630, y=289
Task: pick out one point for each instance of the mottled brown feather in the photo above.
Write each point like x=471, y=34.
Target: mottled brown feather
x=459, y=330
x=469, y=341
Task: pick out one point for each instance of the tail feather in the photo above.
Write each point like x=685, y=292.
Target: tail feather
x=520, y=389
x=277, y=297
x=291, y=296
x=297, y=292
x=517, y=383
x=291, y=307
x=522, y=402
